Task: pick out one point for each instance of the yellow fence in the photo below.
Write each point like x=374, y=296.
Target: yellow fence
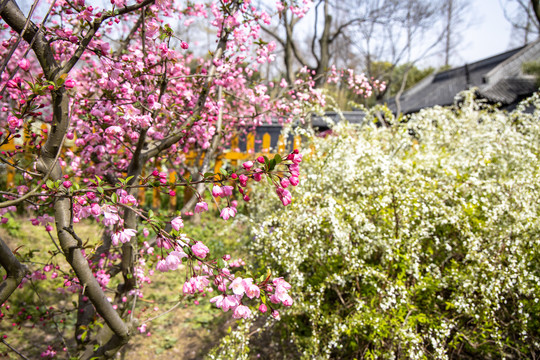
x=232, y=157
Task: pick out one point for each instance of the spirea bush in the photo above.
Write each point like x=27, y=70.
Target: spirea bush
x=418, y=240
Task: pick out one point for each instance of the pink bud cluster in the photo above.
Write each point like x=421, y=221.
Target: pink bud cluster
x=255, y=170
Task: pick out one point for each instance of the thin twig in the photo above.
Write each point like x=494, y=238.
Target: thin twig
x=163, y=313
x=38, y=186
x=16, y=44
x=14, y=350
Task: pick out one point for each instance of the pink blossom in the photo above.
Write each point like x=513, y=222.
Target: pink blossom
x=260, y=159
x=251, y=289
x=162, y=243
x=24, y=64
x=177, y=223
x=241, y=312
x=263, y=308
x=248, y=165
x=284, y=182
x=174, y=259
x=200, y=250
x=284, y=195
x=294, y=169
x=70, y=83
x=14, y=122
x=201, y=207
x=274, y=299
x=152, y=28
x=146, y=232
x=287, y=300
x=296, y=158
x=243, y=180
x=294, y=180
x=280, y=282
x=49, y=353
x=184, y=45
x=123, y=236
x=237, y=286
x=188, y=288
x=227, y=190
x=275, y=315
x=67, y=184
x=257, y=176
x=110, y=215
x=218, y=300
x=217, y=191
x=199, y=283
x=95, y=209
x=228, y=212
x=230, y=302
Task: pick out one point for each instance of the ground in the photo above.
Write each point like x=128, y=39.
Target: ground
x=187, y=332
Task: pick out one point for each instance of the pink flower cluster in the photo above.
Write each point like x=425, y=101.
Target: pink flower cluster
x=241, y=287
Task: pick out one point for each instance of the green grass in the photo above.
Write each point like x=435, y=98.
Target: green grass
x=186, y=332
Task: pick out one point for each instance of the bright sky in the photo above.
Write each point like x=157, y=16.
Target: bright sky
x=488, y=33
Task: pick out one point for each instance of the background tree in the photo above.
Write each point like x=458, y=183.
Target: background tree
x=455, y=11
x=524, y=15
x=354, y=34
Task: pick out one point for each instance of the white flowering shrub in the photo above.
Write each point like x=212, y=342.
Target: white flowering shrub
x=418, y=240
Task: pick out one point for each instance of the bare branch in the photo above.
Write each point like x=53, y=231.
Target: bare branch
x=14, y=17
x=94, y=28
x=21, y=34
x=14, y=350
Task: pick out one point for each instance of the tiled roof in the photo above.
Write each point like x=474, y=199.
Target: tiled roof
x=499, y=79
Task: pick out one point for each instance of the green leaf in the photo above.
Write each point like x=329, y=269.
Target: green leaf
x=114, y=198
x=208, y=174
x=272, y=164
x=61, y=80
x=278, y=159
x=224, y=172
x=50, y=184
x=100, y=189
x=221, y=263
